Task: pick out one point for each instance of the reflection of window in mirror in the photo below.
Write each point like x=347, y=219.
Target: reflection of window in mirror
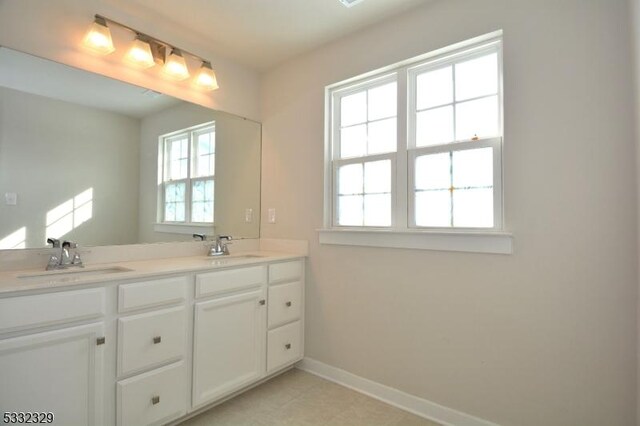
x=188, y=173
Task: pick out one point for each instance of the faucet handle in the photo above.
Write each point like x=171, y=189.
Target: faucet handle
x=225, y=237
x=54, y=242
x=202, y=237
x=77, y=260
x=70, y=244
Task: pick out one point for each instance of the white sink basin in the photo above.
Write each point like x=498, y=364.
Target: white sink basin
x=68, y=275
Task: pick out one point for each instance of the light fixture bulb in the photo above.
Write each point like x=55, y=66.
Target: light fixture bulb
x=98, y=39
x=140, y=54
x=176, y=67
x=206, y=77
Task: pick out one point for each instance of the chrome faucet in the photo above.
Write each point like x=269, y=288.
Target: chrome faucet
x=64, y=260
x=218, y=248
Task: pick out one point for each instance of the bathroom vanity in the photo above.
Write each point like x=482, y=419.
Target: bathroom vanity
x=147, y=342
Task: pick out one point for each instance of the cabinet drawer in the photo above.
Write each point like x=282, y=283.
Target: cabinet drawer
x=150, y=339
x=285, y=271
x=284, y=345
x=153, y=398
x=19, y=313
x=229, y=280
x=285, y=303
x=151, y=293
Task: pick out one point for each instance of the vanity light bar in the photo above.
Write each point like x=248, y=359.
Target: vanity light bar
x=147, y=51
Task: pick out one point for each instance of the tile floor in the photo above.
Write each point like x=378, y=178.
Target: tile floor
x=297, y=398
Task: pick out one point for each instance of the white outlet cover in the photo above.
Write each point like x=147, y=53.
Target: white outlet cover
x=272, y=215
x=11, y=198
x=248, y=215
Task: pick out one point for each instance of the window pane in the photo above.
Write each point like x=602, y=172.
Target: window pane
x=473, y=208
x=353, y=141
x=382, y=101
x=197, y=211
x=204, y=158
x=174, y=199
x=353, y=109
x=377, y=210
x=180, y=215
x=435, y=88
x=479, y=117
x=205, y=145
x=177, y=161
x=433, y=208
x=473, y=168
x=350, y=179
x=170, y=212
x=174, y=192
x=434, y=126
x=382, y=136
x=202, y=201
x=477, y=77
x=433, y=171
x=198, y=191
x=202, y=211
x=377, y=177
x=350, y=210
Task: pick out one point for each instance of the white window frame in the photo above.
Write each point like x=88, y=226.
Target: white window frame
x=403, y=233
x=337, y=162
x=186, y=227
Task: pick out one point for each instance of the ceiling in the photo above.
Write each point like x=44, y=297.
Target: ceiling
x=26, y=73
x=264, y=33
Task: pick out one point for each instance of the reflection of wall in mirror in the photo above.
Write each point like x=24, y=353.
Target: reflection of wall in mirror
x=237, y=177
x=73, y=168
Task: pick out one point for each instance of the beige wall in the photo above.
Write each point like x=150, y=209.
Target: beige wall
x=49, y=152
x=54, y=30
x=635, y=23
x=546, y=336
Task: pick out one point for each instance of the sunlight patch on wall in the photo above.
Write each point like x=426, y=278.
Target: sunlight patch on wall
x=15, y=240
x=70, y=214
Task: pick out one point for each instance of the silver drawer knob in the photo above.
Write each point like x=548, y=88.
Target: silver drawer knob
x=288, y=304
x=157, y=340
x=287, y=346
x=155, y=400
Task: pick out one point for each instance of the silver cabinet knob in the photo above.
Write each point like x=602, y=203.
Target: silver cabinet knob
x=288, y=304
x=262, y=302
x=287, y=346
x=155, y=400
x=157, y=340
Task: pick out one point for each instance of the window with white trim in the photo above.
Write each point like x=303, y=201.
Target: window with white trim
x=187, y=175
x=418, y=147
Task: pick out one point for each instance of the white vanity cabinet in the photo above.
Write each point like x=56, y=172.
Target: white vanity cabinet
x=58, y=371
x=150, y=350
x=285, y=341
x=152, y=346
x=229, y=332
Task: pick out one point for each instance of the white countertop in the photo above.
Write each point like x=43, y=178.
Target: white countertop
x=38, y=279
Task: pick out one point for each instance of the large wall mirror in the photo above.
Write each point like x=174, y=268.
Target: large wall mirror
x=97, y=161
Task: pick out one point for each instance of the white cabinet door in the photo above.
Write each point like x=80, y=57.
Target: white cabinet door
x=58, y=371
x=229, y=345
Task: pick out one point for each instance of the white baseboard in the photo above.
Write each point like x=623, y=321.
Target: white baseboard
x=413, y=404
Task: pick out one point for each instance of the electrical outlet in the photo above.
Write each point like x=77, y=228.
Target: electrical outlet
x=248, y=215
x=271, y=216
x=11, y=198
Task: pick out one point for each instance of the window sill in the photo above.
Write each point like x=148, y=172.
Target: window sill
x=461, y=241
x=184, y=228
